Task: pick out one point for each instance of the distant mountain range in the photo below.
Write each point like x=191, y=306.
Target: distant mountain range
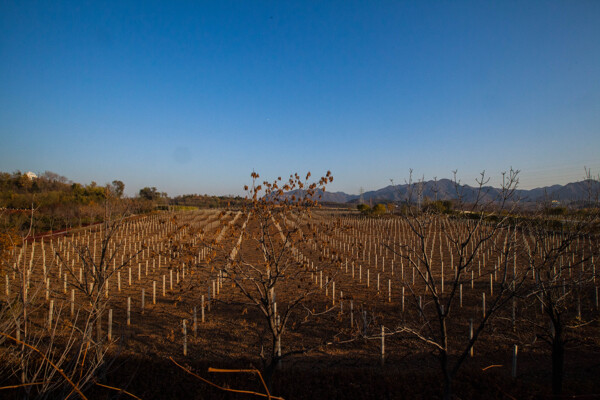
x=445, y=189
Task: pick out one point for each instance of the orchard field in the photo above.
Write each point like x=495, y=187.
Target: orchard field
x=329, y=304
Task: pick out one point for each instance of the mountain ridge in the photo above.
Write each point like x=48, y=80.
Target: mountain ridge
x=445, y=189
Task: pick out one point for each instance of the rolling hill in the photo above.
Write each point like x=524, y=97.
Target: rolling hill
x=445, y=189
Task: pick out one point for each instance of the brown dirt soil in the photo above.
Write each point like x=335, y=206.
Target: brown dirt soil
x=339, y=366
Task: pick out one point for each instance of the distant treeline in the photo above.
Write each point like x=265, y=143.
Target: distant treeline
x=206, y=201
x=52, y=202
x=59, y=203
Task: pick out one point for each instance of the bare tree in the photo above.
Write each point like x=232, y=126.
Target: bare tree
x=480, y=226
x=45, y=359
x=98, y=261
x=562, y=242
x=269, y=268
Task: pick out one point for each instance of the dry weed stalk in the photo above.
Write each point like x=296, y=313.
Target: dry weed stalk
x=247, y=371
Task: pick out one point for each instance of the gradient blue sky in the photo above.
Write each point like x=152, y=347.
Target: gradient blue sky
x=190, y=97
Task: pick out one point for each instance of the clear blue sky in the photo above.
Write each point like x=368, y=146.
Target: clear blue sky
x=190, y=97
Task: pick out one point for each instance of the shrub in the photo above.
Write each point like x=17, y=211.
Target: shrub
x=363, y=208
x=379, y=209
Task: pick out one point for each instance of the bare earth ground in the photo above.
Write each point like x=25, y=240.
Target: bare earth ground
x=339, y=366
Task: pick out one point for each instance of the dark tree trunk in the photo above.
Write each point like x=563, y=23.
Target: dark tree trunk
x=447, y=388
x=447, y=376
x=268, y=372
x=558, y=361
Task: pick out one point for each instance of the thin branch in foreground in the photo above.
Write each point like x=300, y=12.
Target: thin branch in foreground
x=60, y=371
x=23, y=385
x=253, y=371
x=118, y=390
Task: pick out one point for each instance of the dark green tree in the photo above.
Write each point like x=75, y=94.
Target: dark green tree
x=149, y=193
x=117, y=188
